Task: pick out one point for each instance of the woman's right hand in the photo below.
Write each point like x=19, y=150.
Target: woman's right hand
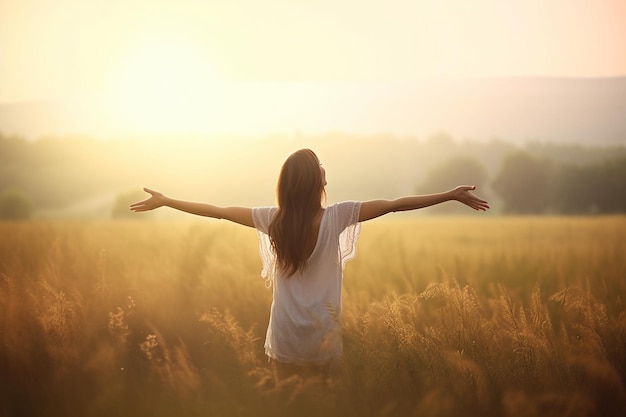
x=155, y=200
x=462, y=194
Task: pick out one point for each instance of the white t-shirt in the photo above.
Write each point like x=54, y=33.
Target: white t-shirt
x=304, y=326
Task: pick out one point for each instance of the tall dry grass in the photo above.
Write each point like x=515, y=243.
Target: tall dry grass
x=441, y=317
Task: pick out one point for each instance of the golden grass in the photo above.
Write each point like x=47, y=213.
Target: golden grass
x=442, y=317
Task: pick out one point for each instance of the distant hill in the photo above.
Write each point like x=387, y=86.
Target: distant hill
x=561, y=110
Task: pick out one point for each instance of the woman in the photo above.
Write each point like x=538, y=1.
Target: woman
x=304, y=247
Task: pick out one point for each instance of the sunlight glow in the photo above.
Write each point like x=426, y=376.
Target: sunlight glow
x=166, y=84
x=260, y=67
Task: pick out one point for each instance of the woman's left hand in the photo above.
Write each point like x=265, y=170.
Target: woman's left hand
x=155, y=200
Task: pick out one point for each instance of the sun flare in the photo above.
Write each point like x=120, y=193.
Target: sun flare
x=166, y=85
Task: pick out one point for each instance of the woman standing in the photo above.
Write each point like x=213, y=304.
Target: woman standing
x=304, y=247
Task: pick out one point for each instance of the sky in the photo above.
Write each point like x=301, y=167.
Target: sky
x=151, y=57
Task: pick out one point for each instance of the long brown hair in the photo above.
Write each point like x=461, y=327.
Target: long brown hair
x=300, y=192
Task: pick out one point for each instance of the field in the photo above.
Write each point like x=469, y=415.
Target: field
x=442, y=316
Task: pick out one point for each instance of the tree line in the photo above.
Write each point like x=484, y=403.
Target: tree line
x=531, y=184
x=535, y=178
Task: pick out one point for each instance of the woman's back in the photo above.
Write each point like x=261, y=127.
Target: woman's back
x=305, y=315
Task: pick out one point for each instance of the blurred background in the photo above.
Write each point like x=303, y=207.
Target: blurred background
x=203, y=100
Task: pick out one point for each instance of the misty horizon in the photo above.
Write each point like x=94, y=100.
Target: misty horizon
x=578, y=110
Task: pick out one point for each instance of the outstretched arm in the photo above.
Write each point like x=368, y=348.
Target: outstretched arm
x=241, y=215
x=375, y=208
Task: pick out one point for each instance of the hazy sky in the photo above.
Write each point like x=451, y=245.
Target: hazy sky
x=173, y=64
x=67, y=47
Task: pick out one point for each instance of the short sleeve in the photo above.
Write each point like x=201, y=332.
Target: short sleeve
x=262, y=218
x=348, y=223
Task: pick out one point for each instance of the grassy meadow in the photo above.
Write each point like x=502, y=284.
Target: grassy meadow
x=442, y=316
